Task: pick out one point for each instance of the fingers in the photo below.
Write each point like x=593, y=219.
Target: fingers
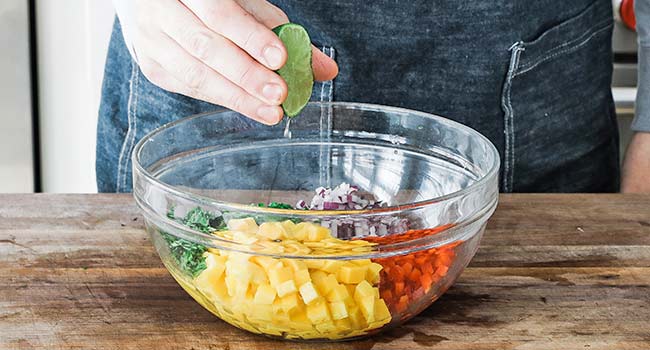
x=178, y=71
x=227, y=18
x=224, y=57
x=324, y=67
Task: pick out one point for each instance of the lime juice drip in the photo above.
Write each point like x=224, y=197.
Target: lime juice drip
x=287, y=131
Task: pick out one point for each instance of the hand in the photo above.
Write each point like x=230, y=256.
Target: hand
x=219, y=51
x=636, y=167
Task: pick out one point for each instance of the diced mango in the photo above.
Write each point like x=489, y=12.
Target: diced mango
x=332, y=266
x=351, y=274
x=326, y=284
x=279, y=274
x=295, y=264
x=314, y=263
x=356, y=318
x=290, y=302
x=307, y=231
x=285, y=288
x=381, y=311
x=308, y=293
x=338, y=293
x=272, y=231
x=318, y=312
x=246, y=225
x=372, y=273
x=335, y=298
x=367, y=306
x=265, y=294
x=301, y=277
x=338, y=310
x=215, y=264
x=244, y=237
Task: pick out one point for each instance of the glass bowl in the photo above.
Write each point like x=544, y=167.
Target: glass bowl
x=204, y=184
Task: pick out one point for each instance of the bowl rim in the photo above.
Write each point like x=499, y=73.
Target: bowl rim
x=301, y=213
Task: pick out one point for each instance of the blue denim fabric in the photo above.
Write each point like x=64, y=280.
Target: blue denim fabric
x=533, y=76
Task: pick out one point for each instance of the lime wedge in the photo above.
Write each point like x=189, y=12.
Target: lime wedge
x=297, y=72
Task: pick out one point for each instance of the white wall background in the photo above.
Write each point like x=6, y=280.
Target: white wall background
x=73, y=38
x=16, y=173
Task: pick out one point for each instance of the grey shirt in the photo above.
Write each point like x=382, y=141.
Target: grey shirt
x=642, y=119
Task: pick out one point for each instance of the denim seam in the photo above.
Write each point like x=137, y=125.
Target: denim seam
x=533, y=65
x=329, y=51
x=508, y=118
x=127, y=145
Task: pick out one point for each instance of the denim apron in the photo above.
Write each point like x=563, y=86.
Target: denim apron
x=532, y=76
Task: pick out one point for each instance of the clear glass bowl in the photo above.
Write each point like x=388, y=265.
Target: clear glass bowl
x=316, y=275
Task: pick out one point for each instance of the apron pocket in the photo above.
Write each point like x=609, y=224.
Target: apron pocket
x=560, y=126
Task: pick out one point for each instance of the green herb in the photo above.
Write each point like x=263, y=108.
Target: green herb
x=189, y=255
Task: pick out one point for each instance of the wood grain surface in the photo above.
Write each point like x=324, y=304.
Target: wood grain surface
x=553, y=272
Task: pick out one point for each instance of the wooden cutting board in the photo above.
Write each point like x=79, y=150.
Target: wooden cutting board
x=553, y=272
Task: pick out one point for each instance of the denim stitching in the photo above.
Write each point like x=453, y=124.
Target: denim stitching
x=508, y=119
x=135, y=128
x=129, y=108
x=526, y=68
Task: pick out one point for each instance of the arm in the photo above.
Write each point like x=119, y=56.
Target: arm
x=636, y=167
x=219, y=51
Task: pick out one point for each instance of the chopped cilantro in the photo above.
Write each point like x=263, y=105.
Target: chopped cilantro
x=189, y=255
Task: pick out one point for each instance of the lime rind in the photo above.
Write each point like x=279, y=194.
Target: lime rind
x=297, y=71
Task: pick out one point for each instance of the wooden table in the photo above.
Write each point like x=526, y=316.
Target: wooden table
x=553, y=272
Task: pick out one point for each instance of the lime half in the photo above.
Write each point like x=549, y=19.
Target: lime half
x=297, y=72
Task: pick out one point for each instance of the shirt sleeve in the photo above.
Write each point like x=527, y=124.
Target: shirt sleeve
x=642, y=118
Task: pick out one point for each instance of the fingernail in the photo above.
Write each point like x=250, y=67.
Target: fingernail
x=269, y=114
x=273, y=56
x=272, y=92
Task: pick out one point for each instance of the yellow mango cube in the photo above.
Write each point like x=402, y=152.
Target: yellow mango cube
x=351, y=274
x=243, y=237
x=265, y=295
x=332, y=266
x=301, y=277
x=315, y=264
x=308, y=293
x=363, y=290
x=279, y=274
x=372, y=273
x=338, y=309
x=361, y=262
x=272, y=231
x=367, y=307
x=307, y=231
x=215, y=264
x=351, y=289
x=338, y=293
x=295, y=264
x=264, y=261
x=381, y=311
x=245, y=225
x=356, y=318
x=318, y=312
x=326, y=284
x=285, y=288
x=290, y=303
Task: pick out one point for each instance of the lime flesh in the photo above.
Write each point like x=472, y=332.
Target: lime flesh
x=297, y=71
